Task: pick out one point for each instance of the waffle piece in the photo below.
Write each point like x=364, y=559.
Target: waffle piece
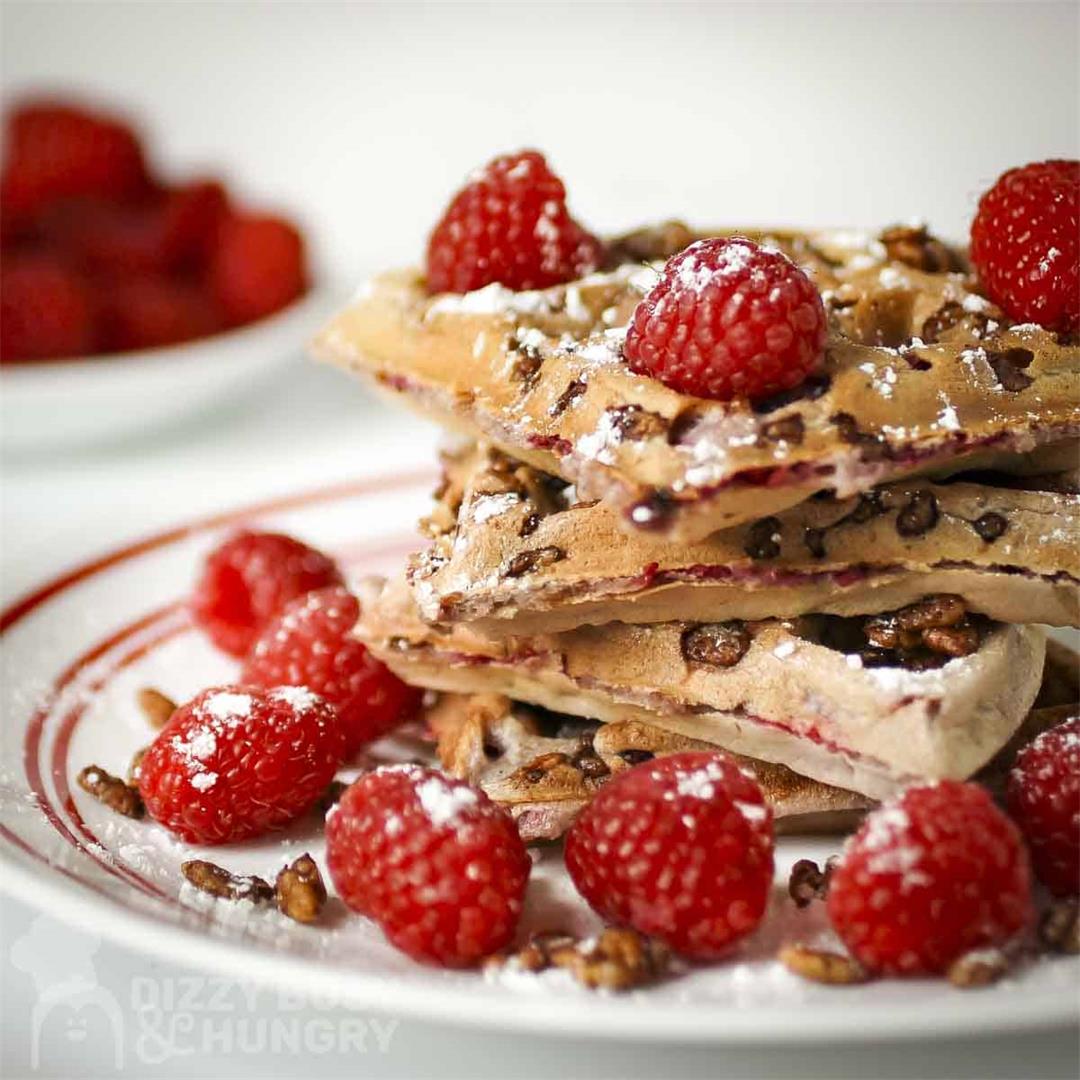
x=544, y=768
x=799, y=695
x=514, y=554
x=921, y=375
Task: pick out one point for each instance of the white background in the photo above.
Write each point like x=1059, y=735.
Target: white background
x=363, y=117
x=359, y=119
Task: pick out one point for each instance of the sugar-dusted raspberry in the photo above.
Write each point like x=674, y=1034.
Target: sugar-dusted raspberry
x=56, y=151
x=311, y=644
x=147, y=312
x=680, y=848
x=509, y=224
x=434, y=861
x=728, y=318
x=931, y=875
x=1025, y=243
x=258, y=267
x=236, y=762
x=1043, y=796
x=248, y=579
x=46, y=310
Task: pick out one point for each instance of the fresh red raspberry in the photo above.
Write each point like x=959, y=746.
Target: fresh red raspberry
x=174, y=231
x=728, y=319
x=311, y=644
x=680, y=848
x=56, y=151
x=1043, y=796
x=147, y=312
x=434, y=861
x=193, y=216
x=258, y=267
x=510, y=225
x=46, y=310
x=236, y=762
x=248, y=579
x=105, y=237
x=1025, y=244
x=929, y=876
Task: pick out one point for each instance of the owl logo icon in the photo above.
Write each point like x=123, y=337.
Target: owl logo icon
x=71, y=1005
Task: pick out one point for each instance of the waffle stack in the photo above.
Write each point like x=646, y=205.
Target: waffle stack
x=839, y=584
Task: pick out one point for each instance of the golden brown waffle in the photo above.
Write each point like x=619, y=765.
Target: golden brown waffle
x=921, y=375
x=513, y=554
x=544, y=769
x=793, y=694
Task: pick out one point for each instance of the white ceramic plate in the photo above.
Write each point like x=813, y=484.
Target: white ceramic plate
x=76, y=651
x=66, y=403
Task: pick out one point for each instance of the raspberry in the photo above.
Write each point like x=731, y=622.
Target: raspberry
x=56, y=151
x=235, y=762
x=510, y=225
x=193, y=216
x=172, y=232
x=728, y=319
x=106, y=237
x=46, y=311
x=929, y=876
x=311, y=644
x=1025, y=244
x=1043, y=796
x=148, y=312
x=680, y=848
x=257, y=267
x=438, y=865
x=248, y=580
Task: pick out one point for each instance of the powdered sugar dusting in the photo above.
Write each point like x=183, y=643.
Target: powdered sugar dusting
x=197, y=748
x=299, y=697
x=752, y=812
x=204, y=781
x=599, y=445
x=489, y=506
x=515, y=976
x=443, y=802
x=699, y=783
x=227, y=706
x=493, y=299
x=948, y=419
x=885, y=827
x=900, y=682
x=887, y=837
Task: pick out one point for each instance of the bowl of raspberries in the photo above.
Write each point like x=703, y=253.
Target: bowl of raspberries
x=129, y=298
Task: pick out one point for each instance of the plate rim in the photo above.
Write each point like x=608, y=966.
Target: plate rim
x=602, y=1018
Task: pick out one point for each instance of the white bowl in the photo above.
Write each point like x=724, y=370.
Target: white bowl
x=68, y=403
